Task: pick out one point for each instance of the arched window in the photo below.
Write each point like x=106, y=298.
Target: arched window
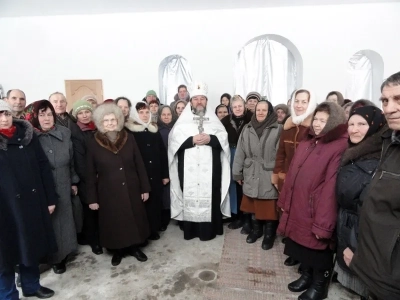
x=364, y=76
x=174, y=70
x=271, y=65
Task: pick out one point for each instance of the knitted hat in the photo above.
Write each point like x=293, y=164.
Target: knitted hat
x=253, y=95
x=4, y=106
x=198, y=89
x=151, y=93
x=81, y=105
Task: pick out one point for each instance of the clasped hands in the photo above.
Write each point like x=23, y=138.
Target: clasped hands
x=201, y=139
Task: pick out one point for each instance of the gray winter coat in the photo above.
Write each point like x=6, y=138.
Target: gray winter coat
x=255, y=160
x=57, y=145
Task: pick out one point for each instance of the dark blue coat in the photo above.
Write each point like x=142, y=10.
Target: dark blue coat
x=26, y=190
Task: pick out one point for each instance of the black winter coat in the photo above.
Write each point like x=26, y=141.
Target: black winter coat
x=27, y=188
x=155, y=159
x=358, y=164
x=234, y=129
x=377, y=259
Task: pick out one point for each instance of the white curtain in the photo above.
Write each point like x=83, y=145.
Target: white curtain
x=359, y=78
x=174, y=70
x=268, y=67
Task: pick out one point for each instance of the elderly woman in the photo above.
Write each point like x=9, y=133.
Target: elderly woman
x=28, y=198
x=155, y=159
x=221, y=111
x=294, y=131
x=308, y=200
x=82, y=111
x=56, y=143
x=125, y=105
x=166, y=121
x=359, y=162
x=335, y=97
x=234, y=124
x=252, y=168
x=117, y=185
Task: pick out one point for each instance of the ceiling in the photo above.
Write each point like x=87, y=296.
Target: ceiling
x=20, y=8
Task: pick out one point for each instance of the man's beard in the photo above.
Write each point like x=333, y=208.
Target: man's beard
x=200, y=110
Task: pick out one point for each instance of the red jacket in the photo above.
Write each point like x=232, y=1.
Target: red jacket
x=308, y=195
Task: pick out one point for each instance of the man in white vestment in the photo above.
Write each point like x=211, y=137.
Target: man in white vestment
x=199, y=156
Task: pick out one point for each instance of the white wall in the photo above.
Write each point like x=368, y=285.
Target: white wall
x=38, y=53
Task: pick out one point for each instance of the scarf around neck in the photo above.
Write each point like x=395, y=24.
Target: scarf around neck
x=87, y=127
x=8, y=132
x=260, y=126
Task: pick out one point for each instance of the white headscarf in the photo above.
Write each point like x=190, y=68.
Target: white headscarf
x=312, y=105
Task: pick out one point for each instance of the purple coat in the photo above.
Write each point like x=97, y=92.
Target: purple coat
x=308, y=196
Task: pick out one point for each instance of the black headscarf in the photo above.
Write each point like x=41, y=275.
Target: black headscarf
x=374, y=117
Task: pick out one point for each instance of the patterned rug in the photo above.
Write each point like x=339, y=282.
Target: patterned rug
x=248, y=272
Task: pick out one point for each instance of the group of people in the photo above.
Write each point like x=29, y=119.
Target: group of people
x=112, y=175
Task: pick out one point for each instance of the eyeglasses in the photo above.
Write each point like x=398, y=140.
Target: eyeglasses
x=5, y=113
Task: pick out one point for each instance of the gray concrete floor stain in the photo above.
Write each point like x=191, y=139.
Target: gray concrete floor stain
x=176, y=269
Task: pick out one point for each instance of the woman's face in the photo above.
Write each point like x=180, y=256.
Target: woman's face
x=154, y=108
x=144, y=115
x=110, y=123
x=300, y=104
x=358, y=128
x=347, y=111
x=281, y=115
x=332, y=98
x=46, y=119
x=92, y=102
x=179, y=108
x=222, y=112
x=238, y=108
x=84, y=116
x=261, y=111
x=225, y=101
x=251, y=104
x=124, y=106
x=5, y=119
x=320, y=120
x=166, y=115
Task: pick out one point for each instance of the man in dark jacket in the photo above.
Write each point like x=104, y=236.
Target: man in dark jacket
x=377, y=259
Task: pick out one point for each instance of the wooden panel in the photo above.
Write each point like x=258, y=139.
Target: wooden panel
x=77, y=89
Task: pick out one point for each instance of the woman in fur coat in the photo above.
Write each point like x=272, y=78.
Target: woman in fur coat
x=117, y=185
x=155, y=158
x=308, y=200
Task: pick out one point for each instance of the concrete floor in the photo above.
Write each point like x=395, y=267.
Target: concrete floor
x=176, y=269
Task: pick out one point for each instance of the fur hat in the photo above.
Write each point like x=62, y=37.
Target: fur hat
x=81, y=105
x=107, y=109
x=198, y=89
x=4, y=106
